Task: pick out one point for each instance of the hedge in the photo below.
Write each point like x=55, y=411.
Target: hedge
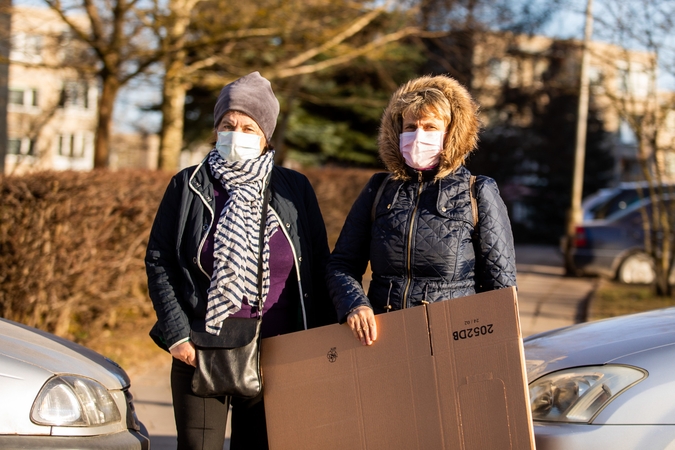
x=72, y=245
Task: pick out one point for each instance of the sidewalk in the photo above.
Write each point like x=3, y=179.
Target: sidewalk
x=547, y=300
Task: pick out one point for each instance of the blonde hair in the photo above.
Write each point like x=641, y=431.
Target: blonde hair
x=423, y=103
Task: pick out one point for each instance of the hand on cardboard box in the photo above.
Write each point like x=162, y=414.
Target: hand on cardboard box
x=362, y=323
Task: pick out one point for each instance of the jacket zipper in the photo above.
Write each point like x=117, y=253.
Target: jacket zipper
x=208, y=207
x=297, y=266
x=404, y=302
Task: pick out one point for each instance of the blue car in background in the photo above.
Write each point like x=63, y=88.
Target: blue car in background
x=610, y=242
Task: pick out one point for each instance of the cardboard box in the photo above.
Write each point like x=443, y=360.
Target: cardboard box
x=448, y=375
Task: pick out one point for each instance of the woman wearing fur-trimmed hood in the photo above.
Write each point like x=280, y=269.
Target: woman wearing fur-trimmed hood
x=444, y=97
x=430, y=230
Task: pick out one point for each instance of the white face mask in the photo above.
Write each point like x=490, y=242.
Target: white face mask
x=236, y=146
x=421, y=149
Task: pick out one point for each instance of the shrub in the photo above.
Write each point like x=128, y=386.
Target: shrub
x=72, y=248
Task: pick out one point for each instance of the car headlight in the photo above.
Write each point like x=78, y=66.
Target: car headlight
x=73, y=401
x=577, y=395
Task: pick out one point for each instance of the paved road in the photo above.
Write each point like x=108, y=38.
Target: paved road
x=546, y=298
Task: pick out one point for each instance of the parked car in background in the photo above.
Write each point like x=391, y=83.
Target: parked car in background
x=610, y=241
x=604, y=384
x=608, y=201
x=59, y=395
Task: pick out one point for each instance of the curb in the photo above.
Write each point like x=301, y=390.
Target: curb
x=584, y=309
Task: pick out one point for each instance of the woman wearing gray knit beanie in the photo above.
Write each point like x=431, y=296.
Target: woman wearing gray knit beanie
x=230, y=231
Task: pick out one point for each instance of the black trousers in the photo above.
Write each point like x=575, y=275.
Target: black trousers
x=201, y=422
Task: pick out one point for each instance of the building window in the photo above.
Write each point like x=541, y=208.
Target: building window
x=499, y=71
x=26, y=47
x=64, y=150
x=14, y=146
x=21, y=146
x=74, y=145
x=66, y=46
x=670, y=122
x=23, y=97
x=16, y=97
x=75, y=94
x=633, y=79
x=626, y=134
x=595, y=75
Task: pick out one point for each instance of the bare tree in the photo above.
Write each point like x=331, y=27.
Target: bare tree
x=643, y=29
x=292, y=41
x=295, y=40
x=116, y=31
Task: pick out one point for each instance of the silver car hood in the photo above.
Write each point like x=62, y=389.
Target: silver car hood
x=598, y=342
x=27, y=349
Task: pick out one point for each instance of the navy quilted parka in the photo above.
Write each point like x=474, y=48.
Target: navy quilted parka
x=420, y=245
x=420, y=238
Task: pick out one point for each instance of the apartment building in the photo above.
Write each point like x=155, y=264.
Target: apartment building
x=622, y=83
x=51, y=101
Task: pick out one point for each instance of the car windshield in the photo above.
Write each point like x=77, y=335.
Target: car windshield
x=618, y=202
x=623, y=198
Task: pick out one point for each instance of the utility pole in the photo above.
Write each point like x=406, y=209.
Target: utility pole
x=574, y=215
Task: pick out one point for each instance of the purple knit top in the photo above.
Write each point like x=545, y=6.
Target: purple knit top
x=280, y=311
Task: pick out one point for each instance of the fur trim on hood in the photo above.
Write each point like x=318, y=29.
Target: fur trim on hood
x=462, y=133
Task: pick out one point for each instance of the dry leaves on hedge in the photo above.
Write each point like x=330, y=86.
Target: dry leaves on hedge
x=72, y=247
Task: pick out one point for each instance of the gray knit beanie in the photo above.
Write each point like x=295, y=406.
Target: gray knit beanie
x=252, y=95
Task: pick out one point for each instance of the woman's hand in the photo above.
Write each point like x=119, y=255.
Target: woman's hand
x=362, y=323
x=185, y=352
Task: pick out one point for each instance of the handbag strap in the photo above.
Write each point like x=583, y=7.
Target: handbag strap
x=261, y=237
x=378, y=195
x=474, y=203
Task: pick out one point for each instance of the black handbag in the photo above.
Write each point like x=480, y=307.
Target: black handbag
x=229, y=363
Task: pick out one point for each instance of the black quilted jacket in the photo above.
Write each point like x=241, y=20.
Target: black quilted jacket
x=421, y=243
x=177, y=282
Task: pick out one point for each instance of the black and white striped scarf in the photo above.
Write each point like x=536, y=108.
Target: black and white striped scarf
x=236, y=239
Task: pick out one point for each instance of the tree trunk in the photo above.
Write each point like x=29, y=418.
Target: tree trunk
x=105, y=111
x=175, y=87
x=173, y=108
x=664, y=254
x=661, y=285
x=286, y=111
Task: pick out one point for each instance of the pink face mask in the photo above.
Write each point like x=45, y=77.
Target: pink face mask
x=421, y=149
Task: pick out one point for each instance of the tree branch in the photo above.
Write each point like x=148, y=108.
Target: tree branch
x=313, y=68
x=357, y=26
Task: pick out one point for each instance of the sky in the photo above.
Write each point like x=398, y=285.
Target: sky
x=130, y=114
x=568, y=23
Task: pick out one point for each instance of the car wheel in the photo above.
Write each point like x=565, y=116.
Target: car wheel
x=636, y=269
